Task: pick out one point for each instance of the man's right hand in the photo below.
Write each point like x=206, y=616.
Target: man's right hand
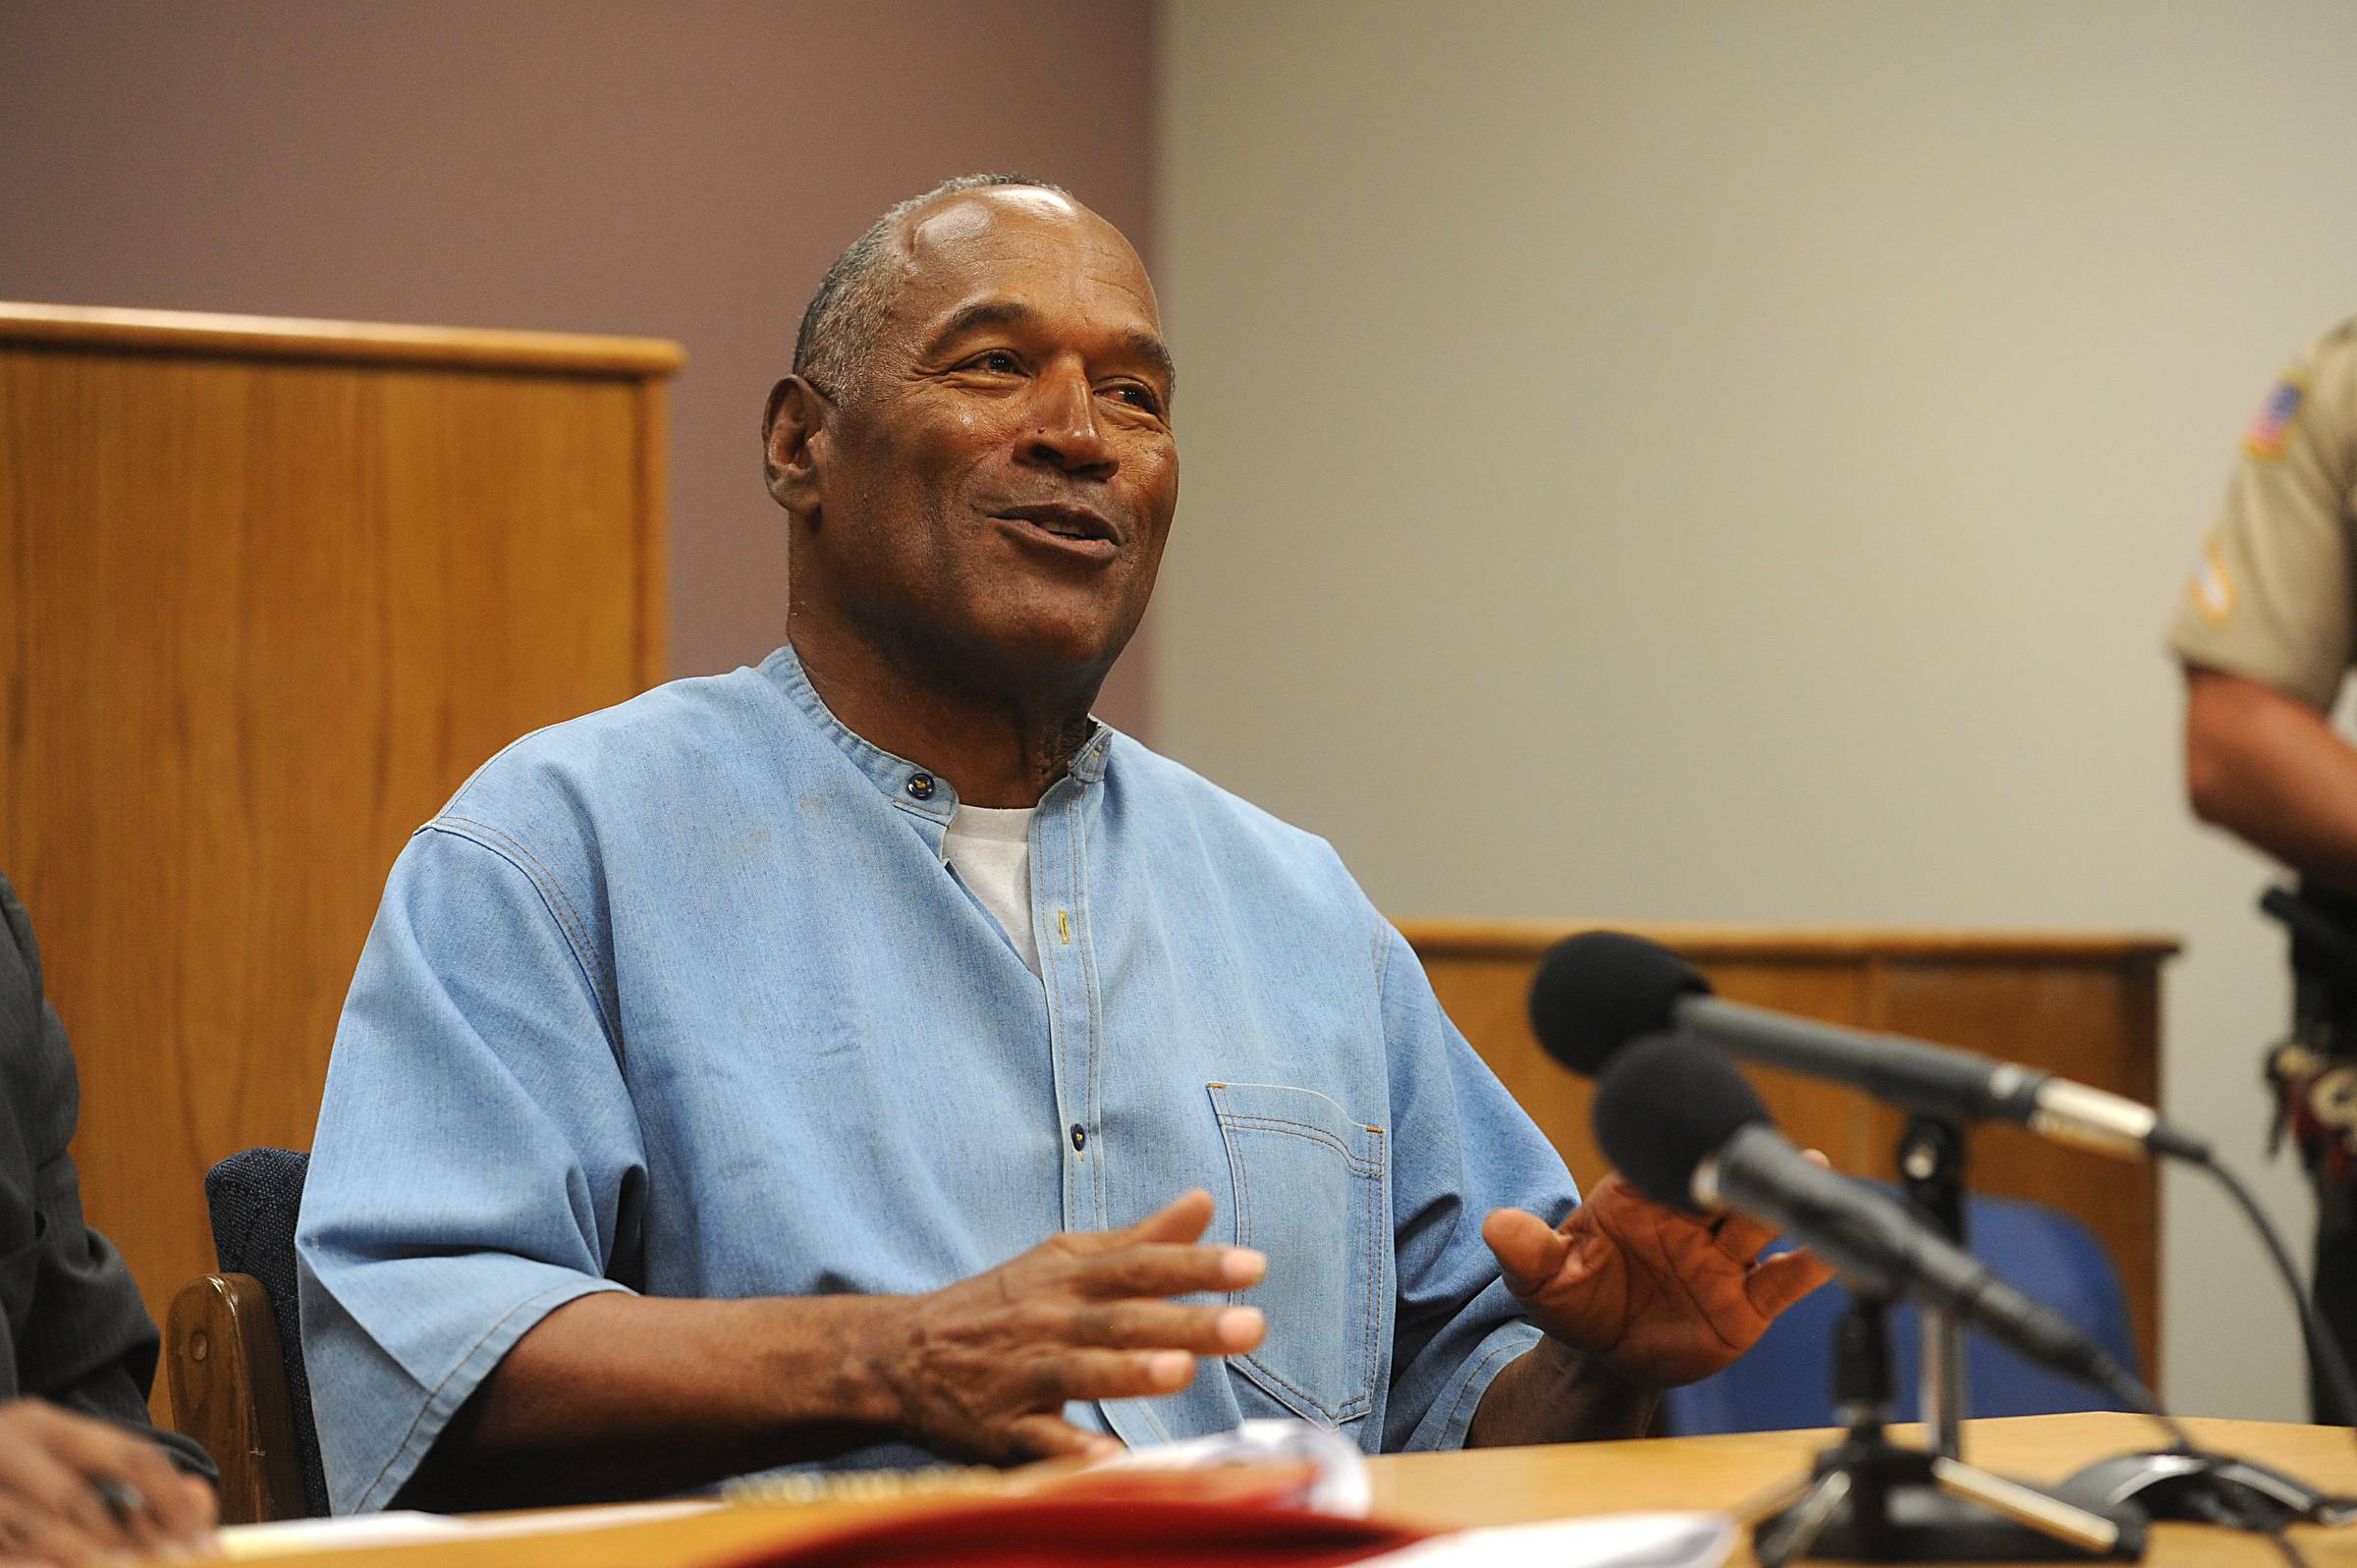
x=986, y=1365
x=57, y=1471
x=620, y=1395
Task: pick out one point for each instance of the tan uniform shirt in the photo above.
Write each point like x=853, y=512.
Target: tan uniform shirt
x=2273, y=597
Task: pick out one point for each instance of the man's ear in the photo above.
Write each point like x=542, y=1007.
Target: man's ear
x=792, y=420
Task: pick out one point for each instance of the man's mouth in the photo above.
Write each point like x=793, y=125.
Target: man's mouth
x=1082, y=528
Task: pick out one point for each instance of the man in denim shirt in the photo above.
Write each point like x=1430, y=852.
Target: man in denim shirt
x=868, y=1056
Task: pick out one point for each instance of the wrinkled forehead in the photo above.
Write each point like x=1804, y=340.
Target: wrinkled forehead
x=1019, y=239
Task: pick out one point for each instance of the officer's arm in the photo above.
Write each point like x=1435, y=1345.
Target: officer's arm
x=2271, y=770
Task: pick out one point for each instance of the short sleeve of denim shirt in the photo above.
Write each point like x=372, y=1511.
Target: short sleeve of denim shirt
x=474, y=1097
x=1465, y=1148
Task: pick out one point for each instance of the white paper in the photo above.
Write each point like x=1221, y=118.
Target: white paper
x=402, y=1528
x=1340, y=1486
x=1612, y=1541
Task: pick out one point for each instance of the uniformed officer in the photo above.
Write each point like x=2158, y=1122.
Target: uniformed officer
x=2268, y=629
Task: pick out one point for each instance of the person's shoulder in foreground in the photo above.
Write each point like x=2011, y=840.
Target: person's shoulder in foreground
x=733, y=1130
x=82, y=1471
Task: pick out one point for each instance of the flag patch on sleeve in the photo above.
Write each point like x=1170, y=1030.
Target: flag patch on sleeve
x=2268, y=433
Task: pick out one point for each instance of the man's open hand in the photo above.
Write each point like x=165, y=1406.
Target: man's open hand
x=1663, y=1298
x=57, y=1470
x=986, y=1364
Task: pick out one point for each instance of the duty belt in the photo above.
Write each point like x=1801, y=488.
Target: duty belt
x=2316, y=1103
x=2314, y=1072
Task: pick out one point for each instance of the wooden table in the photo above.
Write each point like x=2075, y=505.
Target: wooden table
x=1508, y=1484
x=1503, y=1485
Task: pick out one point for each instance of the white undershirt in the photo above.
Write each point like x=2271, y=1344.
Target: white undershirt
x=991, y=849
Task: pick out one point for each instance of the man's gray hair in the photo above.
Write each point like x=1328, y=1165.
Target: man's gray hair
x=847, y=315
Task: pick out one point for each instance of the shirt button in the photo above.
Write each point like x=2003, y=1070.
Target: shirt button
x=1080, y=1137
x=921, y=785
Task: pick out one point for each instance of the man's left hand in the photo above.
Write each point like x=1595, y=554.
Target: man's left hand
x=1662, y=1298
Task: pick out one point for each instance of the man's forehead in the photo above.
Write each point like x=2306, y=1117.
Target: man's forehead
x=975, y=238
x=967, y=213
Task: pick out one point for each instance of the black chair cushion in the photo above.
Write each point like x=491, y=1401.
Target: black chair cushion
x=253, y=1198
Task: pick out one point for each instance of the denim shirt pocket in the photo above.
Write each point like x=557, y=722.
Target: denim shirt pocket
x=1309, y=1193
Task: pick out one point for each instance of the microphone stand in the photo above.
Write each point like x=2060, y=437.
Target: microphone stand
x=1868, y=1500
x=1930, y=1166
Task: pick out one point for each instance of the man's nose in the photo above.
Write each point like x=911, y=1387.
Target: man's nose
x=1062, y=433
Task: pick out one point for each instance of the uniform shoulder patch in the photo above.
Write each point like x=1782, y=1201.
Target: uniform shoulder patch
x=2273, y=427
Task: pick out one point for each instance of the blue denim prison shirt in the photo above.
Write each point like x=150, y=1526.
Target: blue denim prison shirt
x=680, y=998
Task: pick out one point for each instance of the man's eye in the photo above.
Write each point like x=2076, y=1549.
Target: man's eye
x=1138, y=397
x=998, y=361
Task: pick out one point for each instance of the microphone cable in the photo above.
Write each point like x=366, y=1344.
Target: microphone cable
x=2323, y=1351
x=2329, y=1511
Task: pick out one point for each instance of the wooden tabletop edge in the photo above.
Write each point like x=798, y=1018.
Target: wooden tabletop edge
x=205, y=333
x=1527, y=939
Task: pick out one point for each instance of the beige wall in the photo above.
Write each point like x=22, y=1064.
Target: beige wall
x=682, y=170
x=1731, y=463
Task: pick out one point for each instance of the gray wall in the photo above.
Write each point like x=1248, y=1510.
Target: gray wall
x=681, y=170
x=1731, y=463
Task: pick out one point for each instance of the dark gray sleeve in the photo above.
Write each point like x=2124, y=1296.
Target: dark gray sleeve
x=75, y=1331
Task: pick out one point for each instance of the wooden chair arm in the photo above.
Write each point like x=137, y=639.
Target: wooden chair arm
x=229, y=1392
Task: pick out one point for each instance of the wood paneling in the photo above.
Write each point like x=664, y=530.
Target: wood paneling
x=268, y=592
x=2085, y=1006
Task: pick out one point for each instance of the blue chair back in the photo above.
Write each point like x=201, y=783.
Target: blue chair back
x=1786, y=1380
x=253, y=1198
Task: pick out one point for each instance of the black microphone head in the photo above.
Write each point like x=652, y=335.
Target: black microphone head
x=1665, y=1104
x=1598, y=990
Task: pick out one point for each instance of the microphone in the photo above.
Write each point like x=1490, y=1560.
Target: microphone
x=1596, y=991
x=1677, y=1118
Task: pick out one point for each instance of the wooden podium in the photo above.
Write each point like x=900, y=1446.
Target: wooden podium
x=2086, y=1007
x=269, y=591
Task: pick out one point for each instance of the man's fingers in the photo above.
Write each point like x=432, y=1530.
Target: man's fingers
x=48, y=1491
x=1162, y=1269
x=1784, y=1279
x=1109, y=1375
x=32, y=1533
x=181, y=1507
x=154, y=1506
x=82, y=1485
x=1206, y=1330
x=1529, y=1250
x=1183, y=1220
x=157, y=1509
x=1161, y=1255
x=1741, y=1237
x=203, y=1501
x=1045, y=1437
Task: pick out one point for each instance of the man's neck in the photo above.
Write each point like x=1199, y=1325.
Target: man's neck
x=998, y=750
